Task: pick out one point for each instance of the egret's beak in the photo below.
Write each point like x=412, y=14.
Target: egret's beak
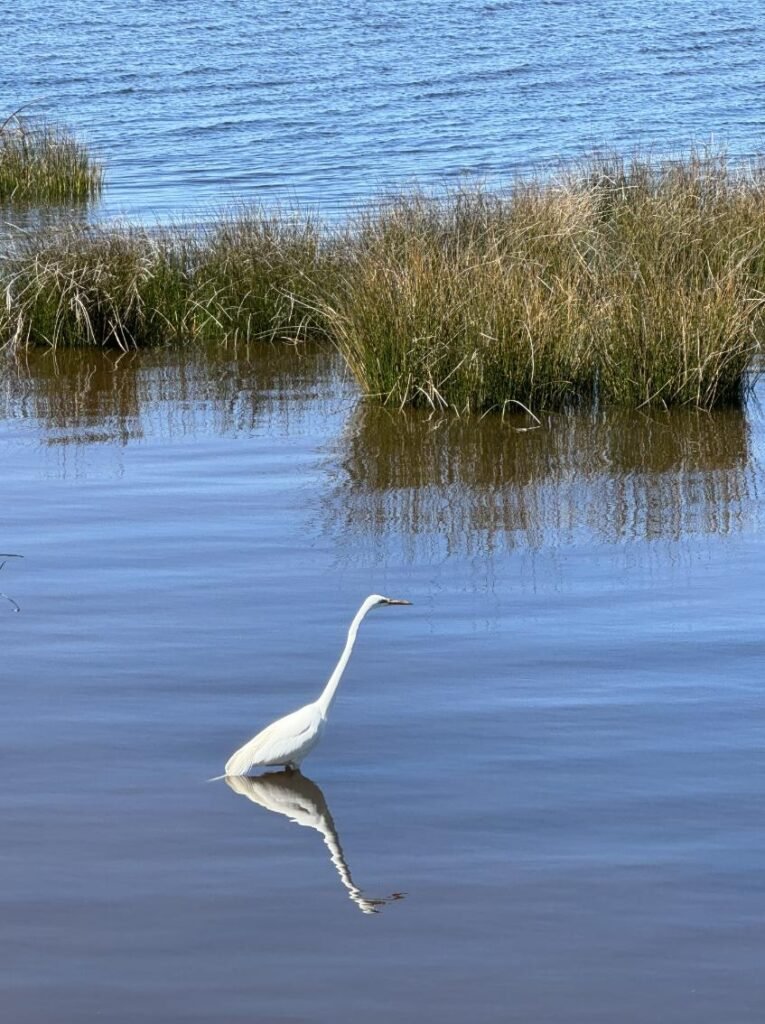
x=392, y=600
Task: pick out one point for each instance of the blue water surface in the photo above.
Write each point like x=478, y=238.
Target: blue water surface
x=193, y=106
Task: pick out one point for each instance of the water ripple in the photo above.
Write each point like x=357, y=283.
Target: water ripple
x=374, y=96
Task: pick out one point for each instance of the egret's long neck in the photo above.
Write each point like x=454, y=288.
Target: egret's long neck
x=328, y=694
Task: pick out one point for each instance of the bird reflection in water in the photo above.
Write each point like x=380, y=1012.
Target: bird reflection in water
x=298, y=798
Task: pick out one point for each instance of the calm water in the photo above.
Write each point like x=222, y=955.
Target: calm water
x=548, y=770
x=540, y=795
x=195, y=105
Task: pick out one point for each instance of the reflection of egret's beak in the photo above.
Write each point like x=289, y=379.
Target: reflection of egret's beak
x=299, y=799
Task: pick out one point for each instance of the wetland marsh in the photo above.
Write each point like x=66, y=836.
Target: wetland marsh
x=539, y=796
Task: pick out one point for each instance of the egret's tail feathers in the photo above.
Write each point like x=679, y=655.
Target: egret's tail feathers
x=241, y=761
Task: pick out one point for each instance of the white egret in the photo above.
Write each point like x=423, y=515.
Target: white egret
x=288, y=740
x=302, y=801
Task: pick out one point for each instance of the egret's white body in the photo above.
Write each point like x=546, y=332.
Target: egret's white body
x=287, y=741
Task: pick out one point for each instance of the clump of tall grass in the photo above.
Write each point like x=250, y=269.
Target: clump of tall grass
x=619, y=282
x=470, y=302
x=679, y=269
x=112, y=287
x=245, y=278
x=260, y=274
x=43, y=163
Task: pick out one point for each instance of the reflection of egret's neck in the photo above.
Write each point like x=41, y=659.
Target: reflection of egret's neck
x=299, y=799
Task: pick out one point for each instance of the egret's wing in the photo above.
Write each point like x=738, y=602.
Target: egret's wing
x=277, y=743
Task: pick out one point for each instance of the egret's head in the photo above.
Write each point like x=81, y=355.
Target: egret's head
x=379, y=599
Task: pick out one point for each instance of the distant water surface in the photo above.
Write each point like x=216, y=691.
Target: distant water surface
x=325, y=103
x=540, y=794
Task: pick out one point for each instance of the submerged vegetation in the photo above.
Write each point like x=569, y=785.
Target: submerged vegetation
x=616, y=282
x=44, y=163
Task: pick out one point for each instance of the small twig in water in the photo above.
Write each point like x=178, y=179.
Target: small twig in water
x=10, y=600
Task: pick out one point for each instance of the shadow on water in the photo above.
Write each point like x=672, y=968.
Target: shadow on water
x=16, y=220
x=81, y=397
x=302, y=801
x=433, y=486
x=477, y=484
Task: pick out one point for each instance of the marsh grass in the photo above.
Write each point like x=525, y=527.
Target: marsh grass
x=469, y=303
x=680, y=248
x=118, y=288
x=624, y=282
x=248, y=277
x=260, y=275
x=43, y=163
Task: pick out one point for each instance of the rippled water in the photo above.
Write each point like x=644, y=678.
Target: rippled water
x=540, y=793
x=324, y=103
